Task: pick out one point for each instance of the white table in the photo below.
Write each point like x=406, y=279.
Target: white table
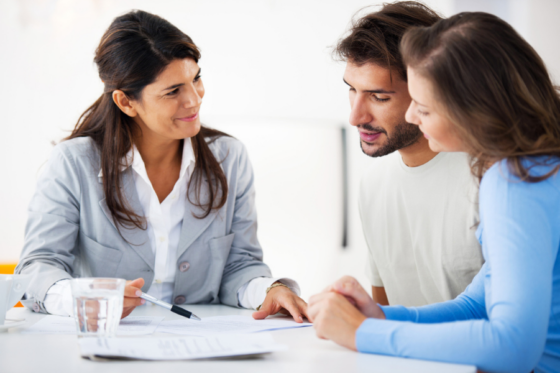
x=306, y=353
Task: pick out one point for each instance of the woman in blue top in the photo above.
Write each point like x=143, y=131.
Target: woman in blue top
x=478, y=87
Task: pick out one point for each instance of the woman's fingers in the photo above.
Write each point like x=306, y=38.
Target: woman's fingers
x=134, y=288
x=303, y=307
x=292, y=307
x=267, y=309
x=132, y=292
x=132, y=302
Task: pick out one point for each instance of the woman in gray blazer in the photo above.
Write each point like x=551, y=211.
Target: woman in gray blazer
x=141, y=191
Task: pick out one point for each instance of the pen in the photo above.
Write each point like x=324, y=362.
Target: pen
x=170, y=307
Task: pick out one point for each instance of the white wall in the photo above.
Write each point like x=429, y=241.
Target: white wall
x=263, y=61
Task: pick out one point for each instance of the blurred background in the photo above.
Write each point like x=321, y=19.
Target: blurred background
x=270, y=81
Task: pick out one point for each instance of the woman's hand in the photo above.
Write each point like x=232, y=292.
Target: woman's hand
x=357, y=296
x=132, y=292
x=335, y=318
x=340, y=309
x=282, y=299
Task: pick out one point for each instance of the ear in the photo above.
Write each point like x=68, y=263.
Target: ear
x=124, y=103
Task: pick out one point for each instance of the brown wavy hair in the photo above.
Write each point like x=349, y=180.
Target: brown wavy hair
x=494, y=88
x=375, y=37
x=134, y=50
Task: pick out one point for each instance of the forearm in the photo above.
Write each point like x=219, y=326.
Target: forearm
x=488, y=346
x=44, y=275
x=458, y=309
x=379, y=295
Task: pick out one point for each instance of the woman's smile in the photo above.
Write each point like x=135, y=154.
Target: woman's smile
x=189, y=119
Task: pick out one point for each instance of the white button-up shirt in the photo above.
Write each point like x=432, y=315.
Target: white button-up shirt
x=164, y=220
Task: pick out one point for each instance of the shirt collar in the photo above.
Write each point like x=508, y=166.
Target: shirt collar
x=134, y=159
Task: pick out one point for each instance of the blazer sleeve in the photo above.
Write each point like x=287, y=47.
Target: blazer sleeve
x=245, y=260
x=52, y=228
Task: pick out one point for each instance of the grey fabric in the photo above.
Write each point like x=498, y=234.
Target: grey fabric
x=70, y=232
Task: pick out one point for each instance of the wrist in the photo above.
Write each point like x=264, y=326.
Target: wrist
x=274, y=288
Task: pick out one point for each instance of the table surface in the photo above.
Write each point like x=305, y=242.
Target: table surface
x=306, y=353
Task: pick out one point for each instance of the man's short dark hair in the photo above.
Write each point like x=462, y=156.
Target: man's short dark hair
x=375, y=37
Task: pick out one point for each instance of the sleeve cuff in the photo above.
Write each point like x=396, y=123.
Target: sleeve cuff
x=397, y=313
x=58, y=300
x=253, y=293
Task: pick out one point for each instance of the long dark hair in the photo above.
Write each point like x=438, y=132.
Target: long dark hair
x=132, y=53
x=494, y=87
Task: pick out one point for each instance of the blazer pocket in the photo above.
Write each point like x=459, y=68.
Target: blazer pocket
x=102, y=261
x=221, y=246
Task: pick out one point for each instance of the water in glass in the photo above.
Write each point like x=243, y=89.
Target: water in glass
x=98, y=305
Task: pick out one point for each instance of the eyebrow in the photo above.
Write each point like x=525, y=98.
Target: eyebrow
x=180, y=84
x=381, y=91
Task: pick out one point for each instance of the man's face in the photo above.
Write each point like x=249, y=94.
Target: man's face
x=378, y=109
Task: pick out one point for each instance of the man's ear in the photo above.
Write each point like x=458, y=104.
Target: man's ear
x=124, y=103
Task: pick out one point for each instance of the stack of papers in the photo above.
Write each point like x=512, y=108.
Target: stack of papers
x=145, y=325
x=184, y=348
x=132, y=325
x=227, y=325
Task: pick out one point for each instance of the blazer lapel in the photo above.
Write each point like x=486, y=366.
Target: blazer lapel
x=192, y=226
x=137, y=238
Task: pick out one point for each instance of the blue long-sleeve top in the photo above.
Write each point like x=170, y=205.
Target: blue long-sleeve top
x=508, y=318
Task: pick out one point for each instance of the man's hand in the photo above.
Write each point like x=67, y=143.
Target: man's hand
x=335, y=318
x=132, y=292
x=282, y=299
x=356, y=295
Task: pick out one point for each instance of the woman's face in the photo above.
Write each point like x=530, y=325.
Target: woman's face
x=169, y=107
x=426, y=113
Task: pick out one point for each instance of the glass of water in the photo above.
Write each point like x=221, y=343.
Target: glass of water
x=98, y=305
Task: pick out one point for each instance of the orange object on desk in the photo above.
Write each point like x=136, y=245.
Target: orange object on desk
x=8, y=269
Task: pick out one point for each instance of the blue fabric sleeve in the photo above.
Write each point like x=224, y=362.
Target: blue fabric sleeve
x=520, y=240
x=468, y=305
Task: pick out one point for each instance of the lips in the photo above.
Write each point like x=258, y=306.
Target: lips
x=369, y=136
x=188, y=119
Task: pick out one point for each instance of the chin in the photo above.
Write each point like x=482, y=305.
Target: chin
x=369, y=149
x=191, y=131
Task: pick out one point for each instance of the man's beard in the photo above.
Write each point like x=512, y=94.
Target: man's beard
x=404, y=134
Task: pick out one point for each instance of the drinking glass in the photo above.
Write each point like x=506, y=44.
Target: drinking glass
x=98, y=305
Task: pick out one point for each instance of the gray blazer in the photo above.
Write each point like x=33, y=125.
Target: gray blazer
x=70, y=232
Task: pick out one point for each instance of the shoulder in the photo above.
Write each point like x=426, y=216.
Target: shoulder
x=228, y=149
x=81, y=153
x=76, y=148
x=457, y=160
x=499, y=180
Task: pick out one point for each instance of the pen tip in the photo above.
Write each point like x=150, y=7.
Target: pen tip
x=195, y=317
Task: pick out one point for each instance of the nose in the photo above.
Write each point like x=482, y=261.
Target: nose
x=411, y=116
x=192, y=98
x=359, y=113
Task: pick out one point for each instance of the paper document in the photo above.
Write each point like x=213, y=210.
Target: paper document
x=132, y=325
x=227, y=325
x=179, y=348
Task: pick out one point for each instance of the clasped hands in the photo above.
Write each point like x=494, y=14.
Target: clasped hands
x=340, y=309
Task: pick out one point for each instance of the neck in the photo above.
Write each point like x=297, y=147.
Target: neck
x=418, y=153
x=158, y=152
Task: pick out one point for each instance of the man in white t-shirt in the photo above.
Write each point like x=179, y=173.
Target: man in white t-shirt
x=418, y=208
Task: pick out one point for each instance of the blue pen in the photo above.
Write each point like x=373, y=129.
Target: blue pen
x=170, y=307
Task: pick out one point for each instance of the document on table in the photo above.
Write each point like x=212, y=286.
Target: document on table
x=182, y=348
x=227, y=325
x=132, y=325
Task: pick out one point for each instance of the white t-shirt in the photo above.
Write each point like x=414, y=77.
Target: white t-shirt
x=419, y=224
